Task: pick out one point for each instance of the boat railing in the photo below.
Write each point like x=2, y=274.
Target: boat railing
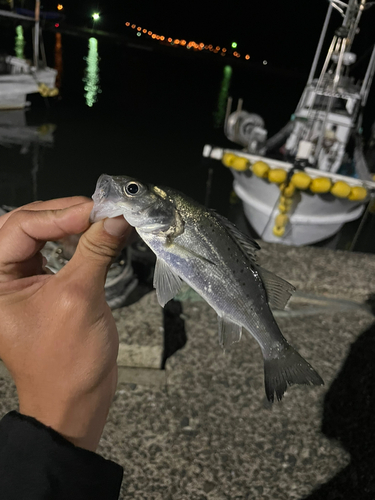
x=17, y=66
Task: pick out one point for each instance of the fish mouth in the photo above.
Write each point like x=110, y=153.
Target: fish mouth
x=105, y=199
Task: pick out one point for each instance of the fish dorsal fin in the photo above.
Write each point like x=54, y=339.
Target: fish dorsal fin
x=278, y=290
x=247, y=244
x=166, y=282
x=229, y=332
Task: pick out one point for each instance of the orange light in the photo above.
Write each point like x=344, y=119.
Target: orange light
x=133, y=26
x=127, y=24
x=139, y=28
x=59, y=7
x=201, y=45
x=210, y=47
x=217, y=48
x=149, y=33
x=154, y=36
x=170, y=40
x=183, y=42
x=144, y=31
x=206, y=47
x=176, y=41
x=247, y=56
x=162, y=38
x=224, y=50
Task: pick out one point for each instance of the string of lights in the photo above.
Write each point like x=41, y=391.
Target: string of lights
x=215, y=49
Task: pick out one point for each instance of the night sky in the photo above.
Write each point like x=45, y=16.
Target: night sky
x=285, y=33
x=262, y=29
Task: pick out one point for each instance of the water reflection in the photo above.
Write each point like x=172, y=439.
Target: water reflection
x=219, y=115
x=91, y=78
x=19, y=43
x=58, y=60
x=17, y=137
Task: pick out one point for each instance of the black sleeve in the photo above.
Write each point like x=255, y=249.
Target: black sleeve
x=37, y=463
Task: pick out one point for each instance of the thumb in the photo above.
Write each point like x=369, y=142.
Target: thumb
x=97, y=248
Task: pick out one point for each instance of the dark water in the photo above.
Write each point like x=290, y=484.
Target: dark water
x=141, y=113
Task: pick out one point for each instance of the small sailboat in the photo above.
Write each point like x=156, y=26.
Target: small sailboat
x=301, y=185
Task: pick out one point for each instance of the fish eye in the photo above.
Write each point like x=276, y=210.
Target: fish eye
x=132, y=188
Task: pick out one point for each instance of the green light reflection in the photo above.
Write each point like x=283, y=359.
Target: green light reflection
x=219, y=114
x=91, y=78
x=19, y=43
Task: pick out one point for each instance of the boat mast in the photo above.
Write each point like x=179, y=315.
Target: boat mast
x=341, y=44
x=320, y=44
x=36, y=34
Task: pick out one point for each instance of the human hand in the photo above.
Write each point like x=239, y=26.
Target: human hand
x=58, y=337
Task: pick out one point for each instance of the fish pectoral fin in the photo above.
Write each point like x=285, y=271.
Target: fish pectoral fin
x=166, y=282
x=229, y=332
x=278, y=290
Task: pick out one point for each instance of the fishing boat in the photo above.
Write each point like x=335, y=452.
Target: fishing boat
x=303, y=184
x=20, y=77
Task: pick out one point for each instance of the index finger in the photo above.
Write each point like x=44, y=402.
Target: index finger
x=55, y=204
x=25, y=232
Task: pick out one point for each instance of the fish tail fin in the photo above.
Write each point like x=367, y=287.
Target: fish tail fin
x=288, y=368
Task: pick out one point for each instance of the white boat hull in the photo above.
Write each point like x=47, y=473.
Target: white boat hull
x=315, y=218
x=15, y=87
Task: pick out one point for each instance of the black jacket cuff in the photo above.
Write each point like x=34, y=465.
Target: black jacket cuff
x=37, y=463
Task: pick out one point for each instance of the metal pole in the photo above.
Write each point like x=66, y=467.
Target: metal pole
x=320, y=44
x=36, y=34
x=368, y=79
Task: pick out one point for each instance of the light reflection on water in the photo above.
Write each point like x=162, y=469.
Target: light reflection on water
x=223, y=97
x=19, y=43
x=91, y=78
x=58, y=59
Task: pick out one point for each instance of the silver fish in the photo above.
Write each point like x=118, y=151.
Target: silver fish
x=212, y=256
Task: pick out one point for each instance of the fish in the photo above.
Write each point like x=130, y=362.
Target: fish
x=198, y=246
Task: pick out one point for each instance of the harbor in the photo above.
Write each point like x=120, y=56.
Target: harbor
x=190, y=420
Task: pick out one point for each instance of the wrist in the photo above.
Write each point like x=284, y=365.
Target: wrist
x=79, y=418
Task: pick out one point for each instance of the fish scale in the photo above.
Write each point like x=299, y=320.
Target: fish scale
x=209, y=253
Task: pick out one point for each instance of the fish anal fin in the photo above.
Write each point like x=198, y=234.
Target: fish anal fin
x=278, y=290
x=166, y=282
x=229, y=332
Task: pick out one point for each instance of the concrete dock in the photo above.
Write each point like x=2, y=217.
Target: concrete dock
x=202, y=429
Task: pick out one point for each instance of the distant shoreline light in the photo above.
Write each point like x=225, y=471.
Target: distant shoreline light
x=189, y=45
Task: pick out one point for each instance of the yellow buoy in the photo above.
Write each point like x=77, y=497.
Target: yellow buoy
x=53, y=92
x=340, y=189
x=300, y=180
x=240, y=164
x=281, y=220
x=277, y=175
x=228, y=159
x=283, y=208
x=357, y=193
x=320, y=185
x=260, y=168
x=288, y=191
x=278, y=231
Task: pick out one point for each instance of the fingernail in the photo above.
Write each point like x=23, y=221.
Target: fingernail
x=116, y=226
